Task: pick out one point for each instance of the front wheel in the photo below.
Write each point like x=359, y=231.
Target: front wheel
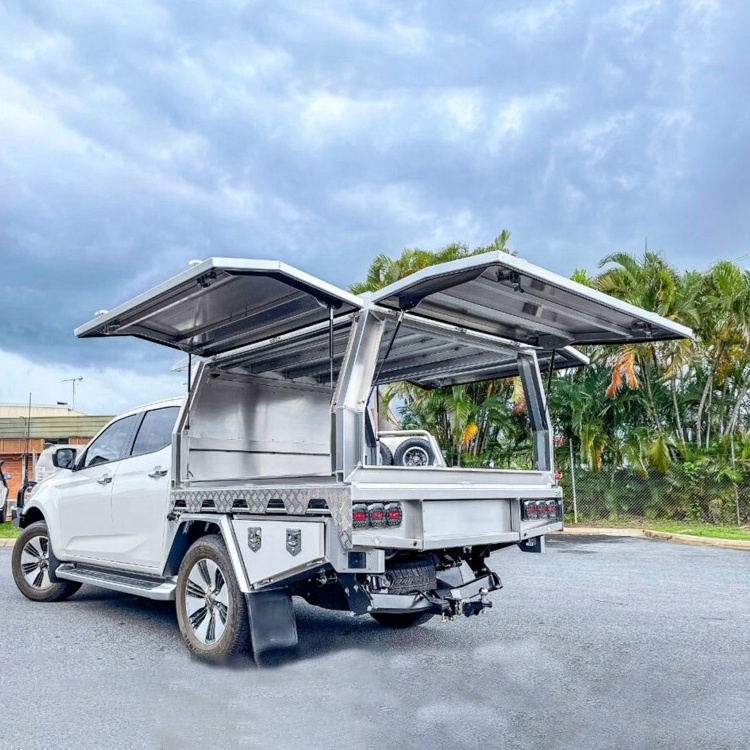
x=211, y=609
x=401, y=619
x=30, y=566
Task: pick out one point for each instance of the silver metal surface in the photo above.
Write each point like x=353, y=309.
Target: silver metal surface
x=243, y=427
x=352, y=393
x=223, y=303
x=384, y=603
x=303, y=354
x=233, y=548
x=274, y=561
x=338, y=556
x=499, y=294
x=379, y=483
x=118, y=580
x=536, y=406
x=427, y=353
x=254, y=499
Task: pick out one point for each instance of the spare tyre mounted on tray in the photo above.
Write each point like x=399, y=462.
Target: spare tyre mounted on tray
x=414, y=452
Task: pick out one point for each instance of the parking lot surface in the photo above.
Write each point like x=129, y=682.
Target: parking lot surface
x=600, y=643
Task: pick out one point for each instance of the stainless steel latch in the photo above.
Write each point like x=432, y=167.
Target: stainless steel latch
x=294, y=541
x=254, y=538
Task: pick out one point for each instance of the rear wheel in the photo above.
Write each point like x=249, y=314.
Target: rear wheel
x=401, y=619
x=211, y=609
x=30, y=566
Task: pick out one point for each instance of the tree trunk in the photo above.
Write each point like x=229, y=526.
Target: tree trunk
x=651, y=404
x=678, y=421
x=736, y=408
x=706, y=391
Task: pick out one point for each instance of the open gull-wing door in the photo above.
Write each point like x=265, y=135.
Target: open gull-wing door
x=225, y=303
x=496, y=293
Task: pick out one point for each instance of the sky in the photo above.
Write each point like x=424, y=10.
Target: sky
x=135, y=137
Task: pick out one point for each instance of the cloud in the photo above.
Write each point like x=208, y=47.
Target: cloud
x=138, y=138
x=102, y=390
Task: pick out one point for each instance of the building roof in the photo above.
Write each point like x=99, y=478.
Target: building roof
x=60, y=426
x=12, y=411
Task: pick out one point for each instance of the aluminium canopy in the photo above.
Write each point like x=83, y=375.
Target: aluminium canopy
x=454, y=323
x=499, y=294
x=224, y=303
x=427, y=354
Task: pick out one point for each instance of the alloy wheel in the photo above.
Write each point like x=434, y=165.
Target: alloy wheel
x=35, y=563
x=416, y=457
x=207, y=601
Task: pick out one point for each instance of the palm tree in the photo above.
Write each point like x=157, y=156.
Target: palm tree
x=650, y=283
x=384, y=270
x=724, y=332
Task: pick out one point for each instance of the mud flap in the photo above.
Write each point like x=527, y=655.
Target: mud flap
x=273, y=625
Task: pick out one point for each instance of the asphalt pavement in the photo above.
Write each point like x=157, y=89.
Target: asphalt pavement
x=603, y=642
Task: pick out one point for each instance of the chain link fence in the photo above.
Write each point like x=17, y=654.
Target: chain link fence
x=711, y=493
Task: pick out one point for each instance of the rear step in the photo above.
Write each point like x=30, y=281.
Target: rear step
x=127, y=583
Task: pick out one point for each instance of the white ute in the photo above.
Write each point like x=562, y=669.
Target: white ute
x=268, y=481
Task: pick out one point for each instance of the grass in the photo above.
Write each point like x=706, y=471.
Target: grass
x=8, y=532
x=691, y=528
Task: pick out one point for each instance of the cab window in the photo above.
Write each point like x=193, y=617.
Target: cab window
x=155, y=431
x=112, y=443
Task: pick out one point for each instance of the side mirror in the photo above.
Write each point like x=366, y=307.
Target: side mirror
x=6, y=477
x=64, y=458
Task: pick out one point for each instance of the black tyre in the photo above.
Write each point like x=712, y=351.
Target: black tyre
x=30, y=566
x=414, y=452
x=386, y=457
x=4, y=511
x=401, y=619
x=211, y=609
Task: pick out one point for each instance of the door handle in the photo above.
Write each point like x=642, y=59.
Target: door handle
x=106, y=479
x=157, y=472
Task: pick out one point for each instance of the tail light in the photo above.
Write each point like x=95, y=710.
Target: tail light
x=533, y=510
x=376, y=515
x=393, y=514
x=359, y=516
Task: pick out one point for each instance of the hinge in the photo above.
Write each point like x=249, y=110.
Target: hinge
x=205, y=280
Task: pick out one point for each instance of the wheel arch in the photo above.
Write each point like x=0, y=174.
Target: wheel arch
x=29, y=516
x=194, y=526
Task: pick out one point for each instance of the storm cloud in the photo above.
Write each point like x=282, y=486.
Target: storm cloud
x=138, y=136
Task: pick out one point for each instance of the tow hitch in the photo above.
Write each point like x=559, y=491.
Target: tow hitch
x=474, y=608
x=469, y=599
